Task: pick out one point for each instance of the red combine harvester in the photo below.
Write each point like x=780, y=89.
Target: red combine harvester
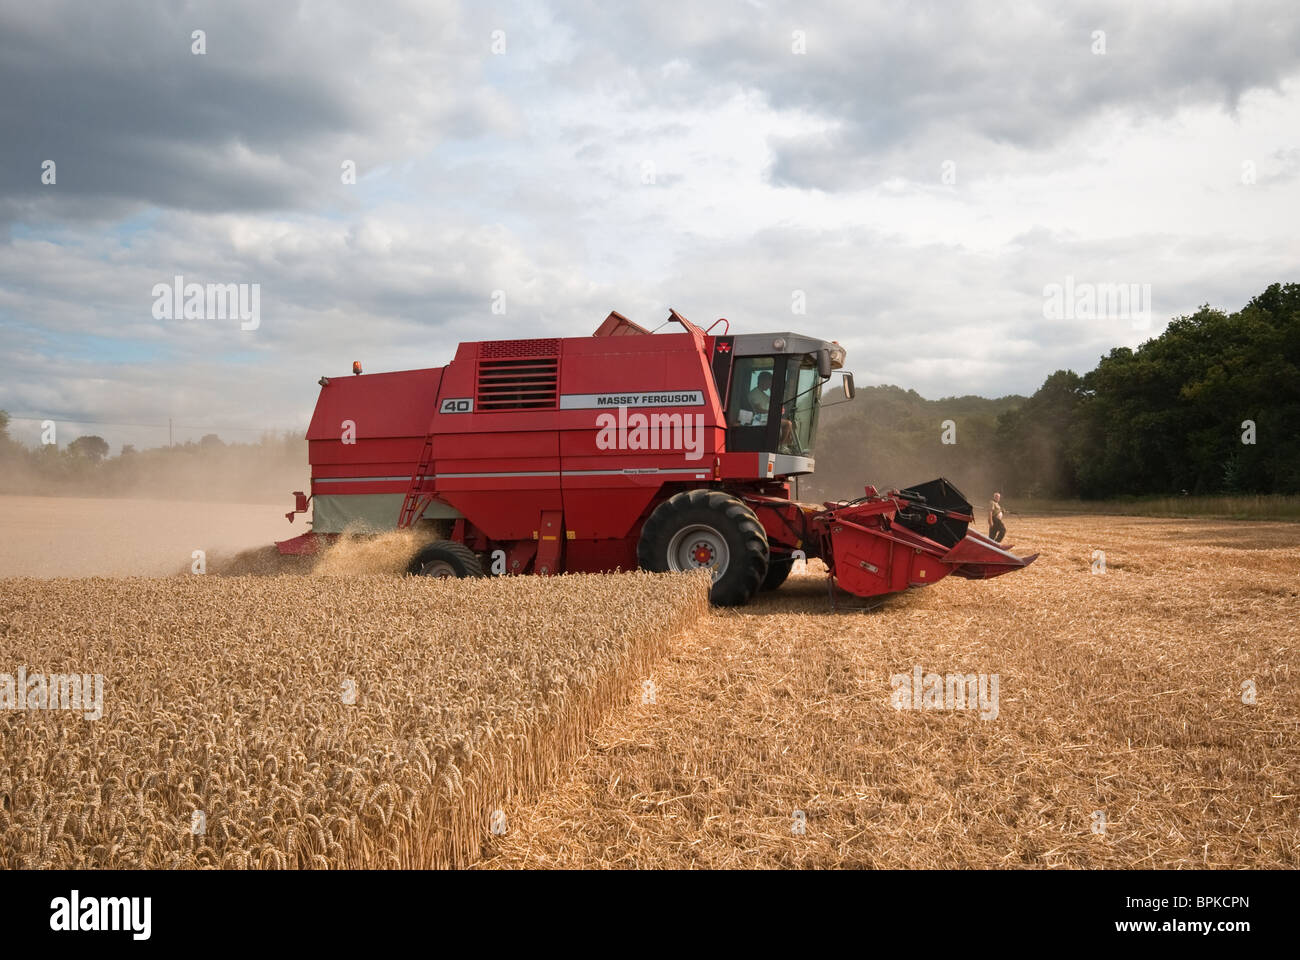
x=671, y=451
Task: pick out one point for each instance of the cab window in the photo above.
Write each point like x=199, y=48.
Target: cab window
x=751, y=392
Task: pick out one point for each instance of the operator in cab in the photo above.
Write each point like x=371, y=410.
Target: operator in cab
x=760, y=397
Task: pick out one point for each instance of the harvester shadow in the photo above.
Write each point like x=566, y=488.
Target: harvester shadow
x=818, y=596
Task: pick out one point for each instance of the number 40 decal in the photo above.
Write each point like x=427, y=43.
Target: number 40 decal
x=462, y=405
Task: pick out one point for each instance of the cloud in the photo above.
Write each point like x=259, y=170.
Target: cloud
x=901, y=85
x=114, y=94
x=525, y=171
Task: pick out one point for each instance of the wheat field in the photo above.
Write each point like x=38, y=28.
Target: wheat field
x=327, y=722
x=1148, y=715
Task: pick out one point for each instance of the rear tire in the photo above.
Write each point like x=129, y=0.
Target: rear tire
x=446, y=559
x=778, y=568
x=707, y=529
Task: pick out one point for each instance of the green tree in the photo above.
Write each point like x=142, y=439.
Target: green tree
x=9, y=448
x=1038, y=439
x=1178, y=413
x=92, y=447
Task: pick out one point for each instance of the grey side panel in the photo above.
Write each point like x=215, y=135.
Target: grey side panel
x=790, y=466
x=375, y=512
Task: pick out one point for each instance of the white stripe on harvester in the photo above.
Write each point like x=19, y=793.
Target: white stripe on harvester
x=627, y=471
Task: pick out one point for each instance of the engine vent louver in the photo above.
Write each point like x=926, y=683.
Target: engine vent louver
x=510, y=349
x=518, y=375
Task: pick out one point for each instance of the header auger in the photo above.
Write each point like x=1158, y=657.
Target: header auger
x=621, y=450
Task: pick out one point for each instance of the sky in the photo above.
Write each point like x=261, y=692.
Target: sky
x=912, y=179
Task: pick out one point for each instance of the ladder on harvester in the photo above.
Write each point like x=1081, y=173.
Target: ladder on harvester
x=417, y=501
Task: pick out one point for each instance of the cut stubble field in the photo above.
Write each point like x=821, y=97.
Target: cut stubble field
x=1147, y=716
x=1121, y=737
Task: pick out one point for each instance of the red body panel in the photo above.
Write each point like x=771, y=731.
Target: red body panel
x=502, y=468
x=366, y=432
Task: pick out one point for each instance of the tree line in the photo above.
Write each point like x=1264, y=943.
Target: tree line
x=210, y=469
x=1209, y=406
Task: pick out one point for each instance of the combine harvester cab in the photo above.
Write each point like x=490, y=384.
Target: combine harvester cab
x=621, y=450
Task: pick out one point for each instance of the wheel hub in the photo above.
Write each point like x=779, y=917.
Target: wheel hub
x=698, y=547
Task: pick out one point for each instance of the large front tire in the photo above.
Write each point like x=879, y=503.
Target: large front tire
x=778, y=569
x=707, y=530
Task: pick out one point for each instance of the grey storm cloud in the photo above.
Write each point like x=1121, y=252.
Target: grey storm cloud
x=115, y=95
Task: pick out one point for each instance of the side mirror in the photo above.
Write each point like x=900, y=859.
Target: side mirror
x=849, y=389
x=824, y=363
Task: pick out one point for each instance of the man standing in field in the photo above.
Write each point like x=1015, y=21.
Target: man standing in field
x=997, y=529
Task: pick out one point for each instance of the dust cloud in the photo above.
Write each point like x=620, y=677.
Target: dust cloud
x=385, y=553
x=102, y=537
x=355, y=553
